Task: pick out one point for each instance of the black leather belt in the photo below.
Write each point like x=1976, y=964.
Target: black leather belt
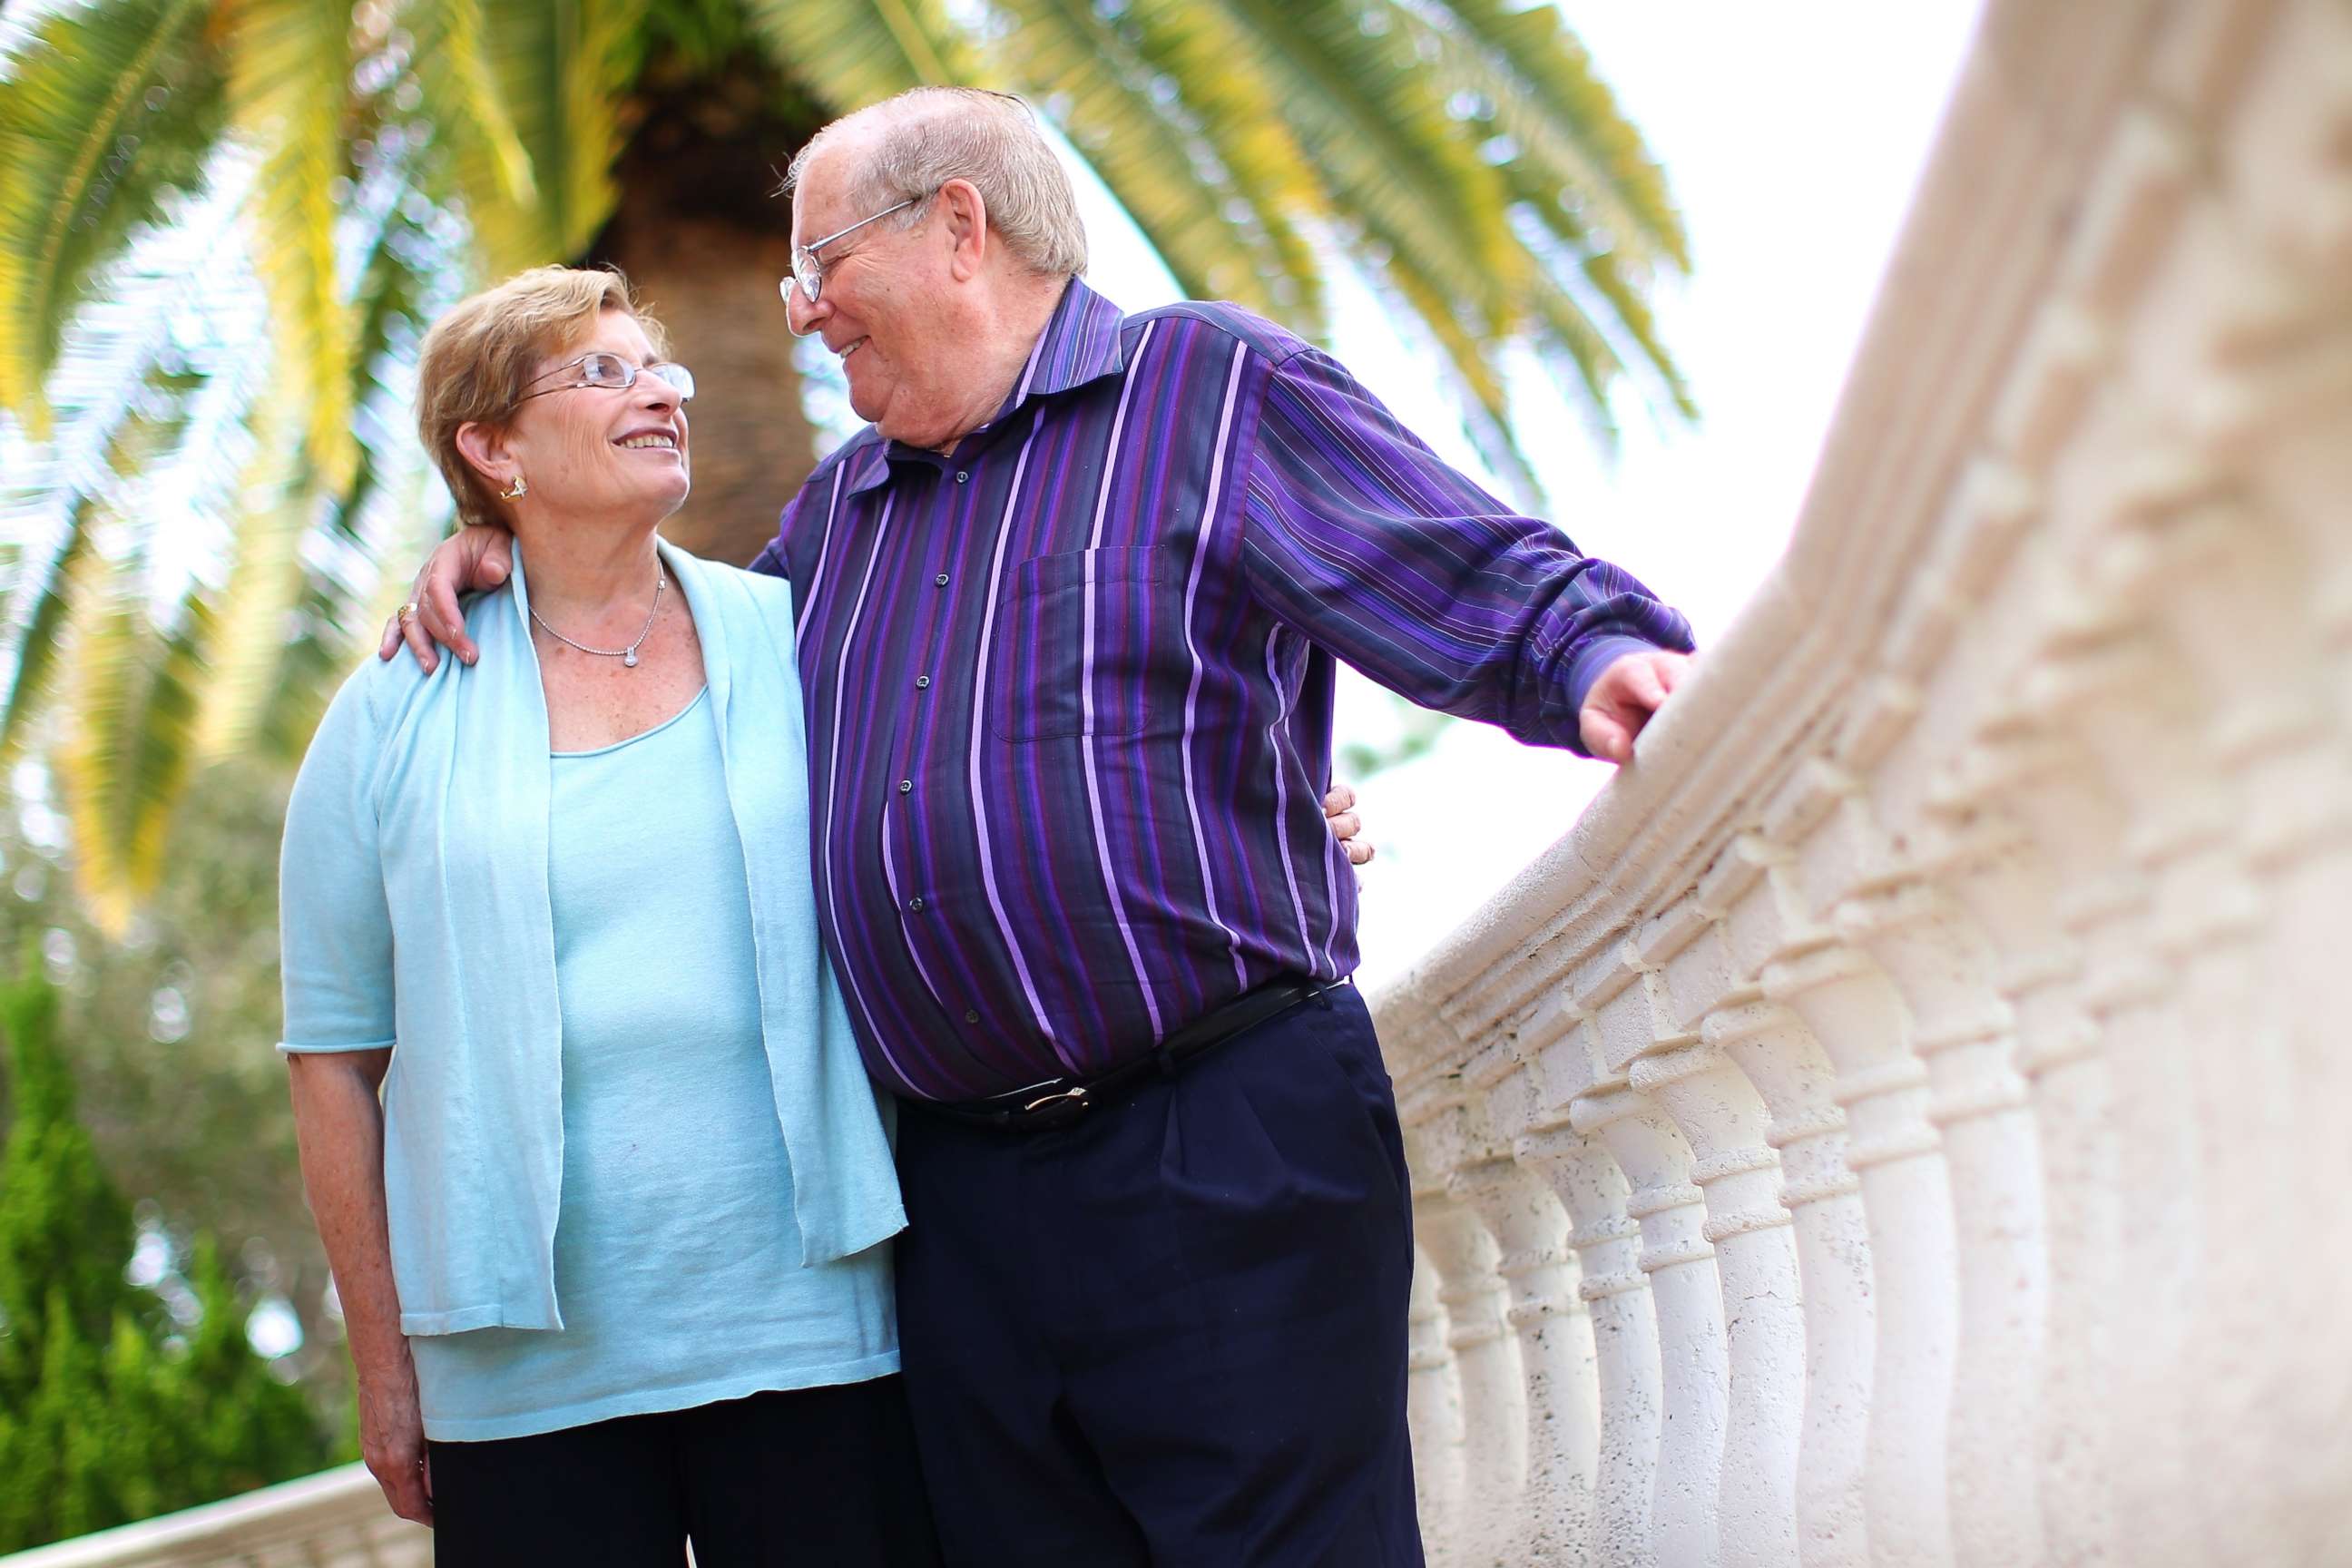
x=1059, y=1102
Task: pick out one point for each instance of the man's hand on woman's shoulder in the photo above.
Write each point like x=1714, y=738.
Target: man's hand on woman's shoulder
x=468, y=561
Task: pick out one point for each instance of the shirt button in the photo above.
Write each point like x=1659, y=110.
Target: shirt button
x=942, y=579
x=962, y=476
x=916, y=905
x=970, y=1016
x=905, y=786
x=922, y=683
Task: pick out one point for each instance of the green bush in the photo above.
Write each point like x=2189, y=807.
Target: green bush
x=111, y=1410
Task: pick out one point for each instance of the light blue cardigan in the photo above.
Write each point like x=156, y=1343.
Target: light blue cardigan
x=413, y=909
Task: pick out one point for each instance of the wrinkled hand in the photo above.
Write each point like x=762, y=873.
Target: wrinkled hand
x=1340, y=817
x=1622, y=701
x=468, y=561
x=392, y=1441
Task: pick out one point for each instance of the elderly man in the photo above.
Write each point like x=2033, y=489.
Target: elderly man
x=1069, y=611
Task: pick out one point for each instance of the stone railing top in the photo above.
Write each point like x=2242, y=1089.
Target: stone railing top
x=329, y=1519
x=1812, y=666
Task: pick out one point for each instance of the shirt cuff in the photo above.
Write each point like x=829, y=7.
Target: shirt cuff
x=1585, y=669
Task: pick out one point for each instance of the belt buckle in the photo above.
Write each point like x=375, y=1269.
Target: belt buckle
x=1075, y=1096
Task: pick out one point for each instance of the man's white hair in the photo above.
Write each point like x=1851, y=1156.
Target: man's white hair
x=925, y=137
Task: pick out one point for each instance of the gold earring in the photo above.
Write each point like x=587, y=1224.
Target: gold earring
x=517, y=490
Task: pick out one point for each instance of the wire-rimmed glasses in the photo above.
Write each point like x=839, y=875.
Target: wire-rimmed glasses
x=808, y=270
x=610, y=373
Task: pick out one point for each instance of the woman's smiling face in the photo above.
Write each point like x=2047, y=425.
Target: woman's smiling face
x=601, y=450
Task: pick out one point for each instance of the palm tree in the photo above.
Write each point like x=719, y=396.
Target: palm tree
x=374, y=155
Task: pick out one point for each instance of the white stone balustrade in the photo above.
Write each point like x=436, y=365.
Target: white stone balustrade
x=1907, y=1121
x=334, y=1520
x=1931, y=1039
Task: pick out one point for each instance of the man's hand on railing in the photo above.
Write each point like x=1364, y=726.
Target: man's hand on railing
x=392, y=1441
x=1621, y=702
x=468, y=561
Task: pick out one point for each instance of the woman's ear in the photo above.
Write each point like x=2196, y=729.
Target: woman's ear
x=484, y=447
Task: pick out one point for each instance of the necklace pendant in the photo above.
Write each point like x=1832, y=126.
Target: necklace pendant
x=629, y=657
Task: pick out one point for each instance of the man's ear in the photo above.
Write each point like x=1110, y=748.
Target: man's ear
x=484, y=447
x=965, y=214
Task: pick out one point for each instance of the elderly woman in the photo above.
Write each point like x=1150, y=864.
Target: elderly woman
x=607, y=1192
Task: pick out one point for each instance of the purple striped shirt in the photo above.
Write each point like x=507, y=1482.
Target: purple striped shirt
x=1069, y=687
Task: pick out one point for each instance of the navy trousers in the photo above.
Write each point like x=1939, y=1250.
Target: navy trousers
x=1173, y=1333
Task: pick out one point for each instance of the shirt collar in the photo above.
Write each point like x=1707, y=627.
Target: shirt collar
x=1081, y=342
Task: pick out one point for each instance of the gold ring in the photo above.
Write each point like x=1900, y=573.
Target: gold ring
x=406, y=613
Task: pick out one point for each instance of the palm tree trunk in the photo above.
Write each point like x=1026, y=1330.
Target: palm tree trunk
x=701, y=234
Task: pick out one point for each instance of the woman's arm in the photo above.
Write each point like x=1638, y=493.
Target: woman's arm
x=338, y=1124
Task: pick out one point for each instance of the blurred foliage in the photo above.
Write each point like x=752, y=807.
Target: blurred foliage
x=373, y=157
x=1411, y=733
x=173, y=1023
x=116, y=1402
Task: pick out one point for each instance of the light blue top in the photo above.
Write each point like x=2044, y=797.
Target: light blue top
x=415, y=908
x=676, y=1257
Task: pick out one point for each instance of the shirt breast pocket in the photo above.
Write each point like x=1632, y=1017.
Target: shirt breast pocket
x=1072, y=646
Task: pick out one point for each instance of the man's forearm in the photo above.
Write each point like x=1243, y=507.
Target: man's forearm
x=339, y=1126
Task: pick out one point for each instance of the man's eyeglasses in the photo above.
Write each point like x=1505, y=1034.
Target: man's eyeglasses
x=808, y=272
x=610, y=373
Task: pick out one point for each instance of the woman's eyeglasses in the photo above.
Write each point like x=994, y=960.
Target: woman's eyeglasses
x=612, y=374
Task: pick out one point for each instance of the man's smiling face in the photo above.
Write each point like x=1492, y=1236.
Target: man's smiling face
x=884, y=306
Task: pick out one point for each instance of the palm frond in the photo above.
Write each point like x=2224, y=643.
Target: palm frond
x=1536, y=85
x=1470, y=356
x=1583, y=366
x=126, y=762
x=562, y=69
x=140, y=432
x=107, y=110
x=51, y=595
x=486, y=159
x=289, y=92
x=1631, y=307
x=1136, y=134
x=247, y=619
x=1368, y=110
x=1568, y=156
x=1590, y=321
x=1220, y=76
x=851, y=53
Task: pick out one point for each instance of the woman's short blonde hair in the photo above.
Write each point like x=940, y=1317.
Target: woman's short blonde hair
x=480, y=358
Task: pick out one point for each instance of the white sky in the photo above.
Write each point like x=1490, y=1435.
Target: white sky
x=1792, y=135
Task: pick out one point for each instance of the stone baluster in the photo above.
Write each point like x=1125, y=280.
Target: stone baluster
x=2036, y=872
x=2247, y=570
x=1433, y=1411
x=1471, y=1289
x=2131, y=996
x=1823, y=1198
x=1607, y=1242
x=1851, y=1008
x=1675, y=1255
x=1554, y=1328
x=2302, y=848
x=2278, y=401
x=2167, y=522
x=2273, y=398
x=1964, y=1030
x=1723, y=1118
x=1760, y=918
x=1608, y=1245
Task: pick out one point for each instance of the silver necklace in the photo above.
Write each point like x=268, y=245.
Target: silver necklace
x=627, y=656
